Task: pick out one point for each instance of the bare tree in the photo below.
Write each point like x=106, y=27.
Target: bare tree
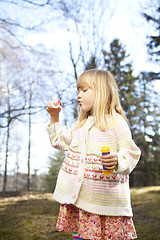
x=18, y=98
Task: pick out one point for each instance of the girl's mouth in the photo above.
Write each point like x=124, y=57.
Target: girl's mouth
x=79, y=102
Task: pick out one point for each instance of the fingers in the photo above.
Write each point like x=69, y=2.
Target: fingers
x=48, y=108
x=110, y=161
x=53, y=111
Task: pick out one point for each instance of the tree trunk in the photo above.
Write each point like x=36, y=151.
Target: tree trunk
x=7, y=147
x=17, y=171
x=29, y=141
x=6, y=160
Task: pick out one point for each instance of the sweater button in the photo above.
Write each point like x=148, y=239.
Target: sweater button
x=79, y=179
x=74, y=196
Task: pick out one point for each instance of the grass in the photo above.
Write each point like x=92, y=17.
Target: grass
x=33, y=215
x=146, y=208
x=29, y=216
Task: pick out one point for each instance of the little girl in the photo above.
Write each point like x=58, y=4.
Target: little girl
x=95, y=206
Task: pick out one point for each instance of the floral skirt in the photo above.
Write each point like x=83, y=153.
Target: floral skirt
x=94, y=227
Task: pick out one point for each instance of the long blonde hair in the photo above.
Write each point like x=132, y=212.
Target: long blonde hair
x=107, y=101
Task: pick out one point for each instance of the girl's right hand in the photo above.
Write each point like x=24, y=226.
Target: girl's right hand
x=54, y=112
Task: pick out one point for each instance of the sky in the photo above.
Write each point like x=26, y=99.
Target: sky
x=127, y=25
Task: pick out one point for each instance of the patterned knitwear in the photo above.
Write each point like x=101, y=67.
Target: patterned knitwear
x=81, y=181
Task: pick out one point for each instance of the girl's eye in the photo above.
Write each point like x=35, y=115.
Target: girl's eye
x=85, y=90
x=82, y=90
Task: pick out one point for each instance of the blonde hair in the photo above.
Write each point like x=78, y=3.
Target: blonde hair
x=107, y=99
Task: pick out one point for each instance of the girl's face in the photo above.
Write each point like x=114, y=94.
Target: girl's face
x=86, y=98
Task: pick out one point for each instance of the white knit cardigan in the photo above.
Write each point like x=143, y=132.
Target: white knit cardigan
x=81, y=181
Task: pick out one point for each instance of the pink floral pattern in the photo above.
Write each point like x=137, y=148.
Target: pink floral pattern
x=95, y=227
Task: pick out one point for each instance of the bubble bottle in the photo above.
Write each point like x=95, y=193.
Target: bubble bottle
x=105, y=151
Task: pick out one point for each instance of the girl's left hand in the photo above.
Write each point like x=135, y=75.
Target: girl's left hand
x=110, y=161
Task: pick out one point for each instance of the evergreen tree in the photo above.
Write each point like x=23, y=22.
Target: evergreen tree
x=54, y=167
x=151, y=112
x=149, y=134
x=115, y=61
x=92, y=63
x=144, y=133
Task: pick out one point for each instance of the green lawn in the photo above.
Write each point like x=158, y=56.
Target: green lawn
x=32, y=216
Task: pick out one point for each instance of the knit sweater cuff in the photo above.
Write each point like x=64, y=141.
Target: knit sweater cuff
x=53, y=128
x=123, y=165
x=116, y=170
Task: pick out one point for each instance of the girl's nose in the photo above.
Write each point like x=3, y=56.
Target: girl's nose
x=79, y=94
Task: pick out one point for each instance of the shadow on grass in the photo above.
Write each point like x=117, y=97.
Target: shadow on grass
x=29, y=218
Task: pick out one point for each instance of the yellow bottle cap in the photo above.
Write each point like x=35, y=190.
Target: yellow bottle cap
x=105, y=149
x=107, y=172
